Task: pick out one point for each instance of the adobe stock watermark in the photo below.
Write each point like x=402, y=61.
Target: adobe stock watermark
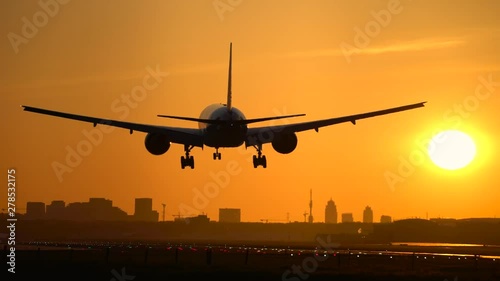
x=94, y=137
x=48, y=9
x=211, y=189
x=310, y=264
x=452, y=119
x=363, y=37
x=223, y=6
x=222, y=179
x=121, y=276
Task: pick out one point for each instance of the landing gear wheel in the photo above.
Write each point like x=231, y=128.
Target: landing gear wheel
x=217, y=154
x=187, y=160
x=259, y=159
x=191, y=162
x=183, y=162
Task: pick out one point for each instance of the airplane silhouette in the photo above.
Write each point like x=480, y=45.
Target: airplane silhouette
x=222, y=125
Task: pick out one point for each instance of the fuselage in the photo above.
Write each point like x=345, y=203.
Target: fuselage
x=226, y=134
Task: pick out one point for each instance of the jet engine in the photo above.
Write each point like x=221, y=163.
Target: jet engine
x=285, y=143
x=157, y=144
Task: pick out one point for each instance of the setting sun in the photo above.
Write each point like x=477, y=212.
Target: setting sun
x=452, y=150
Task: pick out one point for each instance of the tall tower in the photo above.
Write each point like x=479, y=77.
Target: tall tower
x=331, y=212
x=368, y=215
x=311, y=206
x=163, y=217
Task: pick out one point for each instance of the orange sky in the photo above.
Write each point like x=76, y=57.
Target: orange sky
x=321, y=58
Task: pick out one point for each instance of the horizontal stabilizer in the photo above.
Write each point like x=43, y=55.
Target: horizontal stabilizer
x=234, y=122
x=208, y=121
x=248, y=121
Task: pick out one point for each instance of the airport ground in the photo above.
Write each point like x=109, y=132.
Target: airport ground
x=200, y=261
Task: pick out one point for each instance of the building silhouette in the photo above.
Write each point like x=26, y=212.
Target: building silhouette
x=385, y=219
x=330, y=212
x=347, y=217
x=100, y=209
x=96, y=209
x=368, y=215
x=229, y=215
x=143, y=210
x=194, y=220
x=55, y=210
x=35, y=210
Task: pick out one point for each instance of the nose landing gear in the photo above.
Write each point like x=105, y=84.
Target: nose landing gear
x=217, y=154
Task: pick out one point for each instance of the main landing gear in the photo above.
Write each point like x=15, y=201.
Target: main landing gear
x=217, y=154
x=188, y=160
x=259, y=159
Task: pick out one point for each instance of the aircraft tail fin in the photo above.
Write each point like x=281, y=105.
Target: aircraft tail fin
x=229, y=93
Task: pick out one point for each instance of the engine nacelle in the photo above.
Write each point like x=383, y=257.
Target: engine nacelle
x=285, y=143
x=157, y=144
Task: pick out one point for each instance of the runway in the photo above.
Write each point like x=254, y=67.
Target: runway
x=188, y=261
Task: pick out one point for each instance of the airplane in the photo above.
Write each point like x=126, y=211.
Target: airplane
x=223, y=126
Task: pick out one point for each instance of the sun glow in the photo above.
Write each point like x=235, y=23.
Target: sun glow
x=452, y=150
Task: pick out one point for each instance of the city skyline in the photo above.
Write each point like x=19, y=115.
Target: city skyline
x=95, y=209
x=132, y=61
x=143, y=206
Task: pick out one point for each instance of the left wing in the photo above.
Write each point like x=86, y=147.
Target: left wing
x=261, y=135
x=185, y=136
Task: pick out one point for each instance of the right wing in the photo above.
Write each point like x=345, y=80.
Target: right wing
x=261, y=135
x=186, y=136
